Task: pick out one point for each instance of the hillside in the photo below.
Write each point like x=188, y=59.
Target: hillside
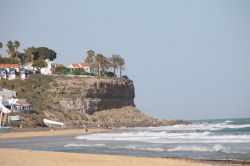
x=77, y=101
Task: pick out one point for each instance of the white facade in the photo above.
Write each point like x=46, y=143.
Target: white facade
x=47, y=70
x=84, y=66
x=12, y=73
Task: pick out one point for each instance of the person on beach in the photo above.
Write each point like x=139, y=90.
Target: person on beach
x=85, y=127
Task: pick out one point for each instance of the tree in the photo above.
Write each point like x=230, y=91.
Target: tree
x=121, y=65
x=90, y=56
x=39, y=64
x=11, y=49
x=100, y=61
x=16, y=45
x=61, y=70
x=114, y=62
x=30, y=53
x=43, y=53
x=1, y=46
x=23, y=57
x=78, y=71
x=6, y=60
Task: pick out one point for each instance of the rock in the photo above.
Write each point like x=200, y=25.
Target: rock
x=92, y=101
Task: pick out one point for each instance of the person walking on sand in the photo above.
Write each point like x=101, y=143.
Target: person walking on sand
x=85, y=127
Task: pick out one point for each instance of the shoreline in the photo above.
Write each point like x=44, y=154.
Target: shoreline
x=44, y=132
x=40, y=158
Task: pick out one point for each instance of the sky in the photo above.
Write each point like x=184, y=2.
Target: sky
x=189, y=59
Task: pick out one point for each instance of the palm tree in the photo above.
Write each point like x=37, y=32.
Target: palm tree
x=30, y=53
x=90, y=56
x=114, y=62
x=23, y=57
x=1, y=46
x=16, y=46
x=11, y=49
x=100, y=60
x=121, y=65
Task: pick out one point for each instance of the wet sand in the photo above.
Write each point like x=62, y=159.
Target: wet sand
x=16, y=157
x=47, y=133
x=11, y=157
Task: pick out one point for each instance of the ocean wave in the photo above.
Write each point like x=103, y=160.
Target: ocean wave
x=84, y=145
x=208, y=148
x=134, y=147
x=165, y=137
x=194, y=148
x=128, y=147
x=200, y=126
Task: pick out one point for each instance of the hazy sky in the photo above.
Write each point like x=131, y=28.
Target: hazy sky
x=189, y=59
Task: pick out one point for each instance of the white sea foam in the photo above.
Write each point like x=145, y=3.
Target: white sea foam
x=140, y=148
x=195, y=148
x=166, y=137
x=199, y=126
x=84, y=145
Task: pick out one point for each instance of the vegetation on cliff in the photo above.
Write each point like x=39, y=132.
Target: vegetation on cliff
x=77, y=101
x=31, y=54
x=70, y=100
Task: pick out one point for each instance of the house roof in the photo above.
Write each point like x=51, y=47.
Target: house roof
x=23, y=103
x=75, y=65
x=85, y=64
x=9, y=65
x=80, y=65
x=61, y=65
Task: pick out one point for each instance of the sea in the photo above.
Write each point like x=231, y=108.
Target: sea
x=224, y=139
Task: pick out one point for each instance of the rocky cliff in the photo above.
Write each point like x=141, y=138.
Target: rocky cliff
x=90, y=95
x=77, y=101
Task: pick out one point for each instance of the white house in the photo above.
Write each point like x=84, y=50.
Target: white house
x=85, y=66
x=9, y=70
x=22, y=73
x=47, y=70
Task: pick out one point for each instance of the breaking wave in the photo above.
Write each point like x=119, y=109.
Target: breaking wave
x=84, y=145
x=166, y=137
x=219, y=139
x=195, y=148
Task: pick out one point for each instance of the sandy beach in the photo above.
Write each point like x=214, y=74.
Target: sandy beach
x=17, y=157
x=11, y=157
x=47, y=133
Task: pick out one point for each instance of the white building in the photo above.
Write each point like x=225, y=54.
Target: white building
x=85, y=66
x=47, y=70
x=9, y=71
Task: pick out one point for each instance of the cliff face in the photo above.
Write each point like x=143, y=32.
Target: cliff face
x=77, y=101
x=89, y=95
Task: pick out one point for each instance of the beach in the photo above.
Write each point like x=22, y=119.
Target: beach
x=11, y=157
x=48, y=133
x=23, y=156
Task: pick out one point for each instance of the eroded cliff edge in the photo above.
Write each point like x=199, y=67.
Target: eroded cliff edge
x=77, y=101
x=89, y=95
